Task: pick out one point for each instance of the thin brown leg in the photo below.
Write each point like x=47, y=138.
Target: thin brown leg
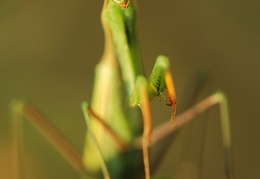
x=21, y=110
x=217, y=98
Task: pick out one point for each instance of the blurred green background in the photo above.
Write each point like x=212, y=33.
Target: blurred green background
x=48, y=51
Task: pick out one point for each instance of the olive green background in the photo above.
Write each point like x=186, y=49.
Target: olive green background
x=48, y=51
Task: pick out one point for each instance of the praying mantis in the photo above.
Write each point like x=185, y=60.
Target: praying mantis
x=119, y=118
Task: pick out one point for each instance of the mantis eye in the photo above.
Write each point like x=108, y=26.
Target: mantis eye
x=122, y=3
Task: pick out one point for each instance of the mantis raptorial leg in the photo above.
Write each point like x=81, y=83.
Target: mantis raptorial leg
x=119, y=117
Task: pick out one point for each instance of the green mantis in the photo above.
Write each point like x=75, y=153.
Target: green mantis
x=122, y=49
x=122, y=54
x=119, y=117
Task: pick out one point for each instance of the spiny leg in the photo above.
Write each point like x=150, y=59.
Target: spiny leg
x=22, y=110
x=217, y=98
x=161, y=79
